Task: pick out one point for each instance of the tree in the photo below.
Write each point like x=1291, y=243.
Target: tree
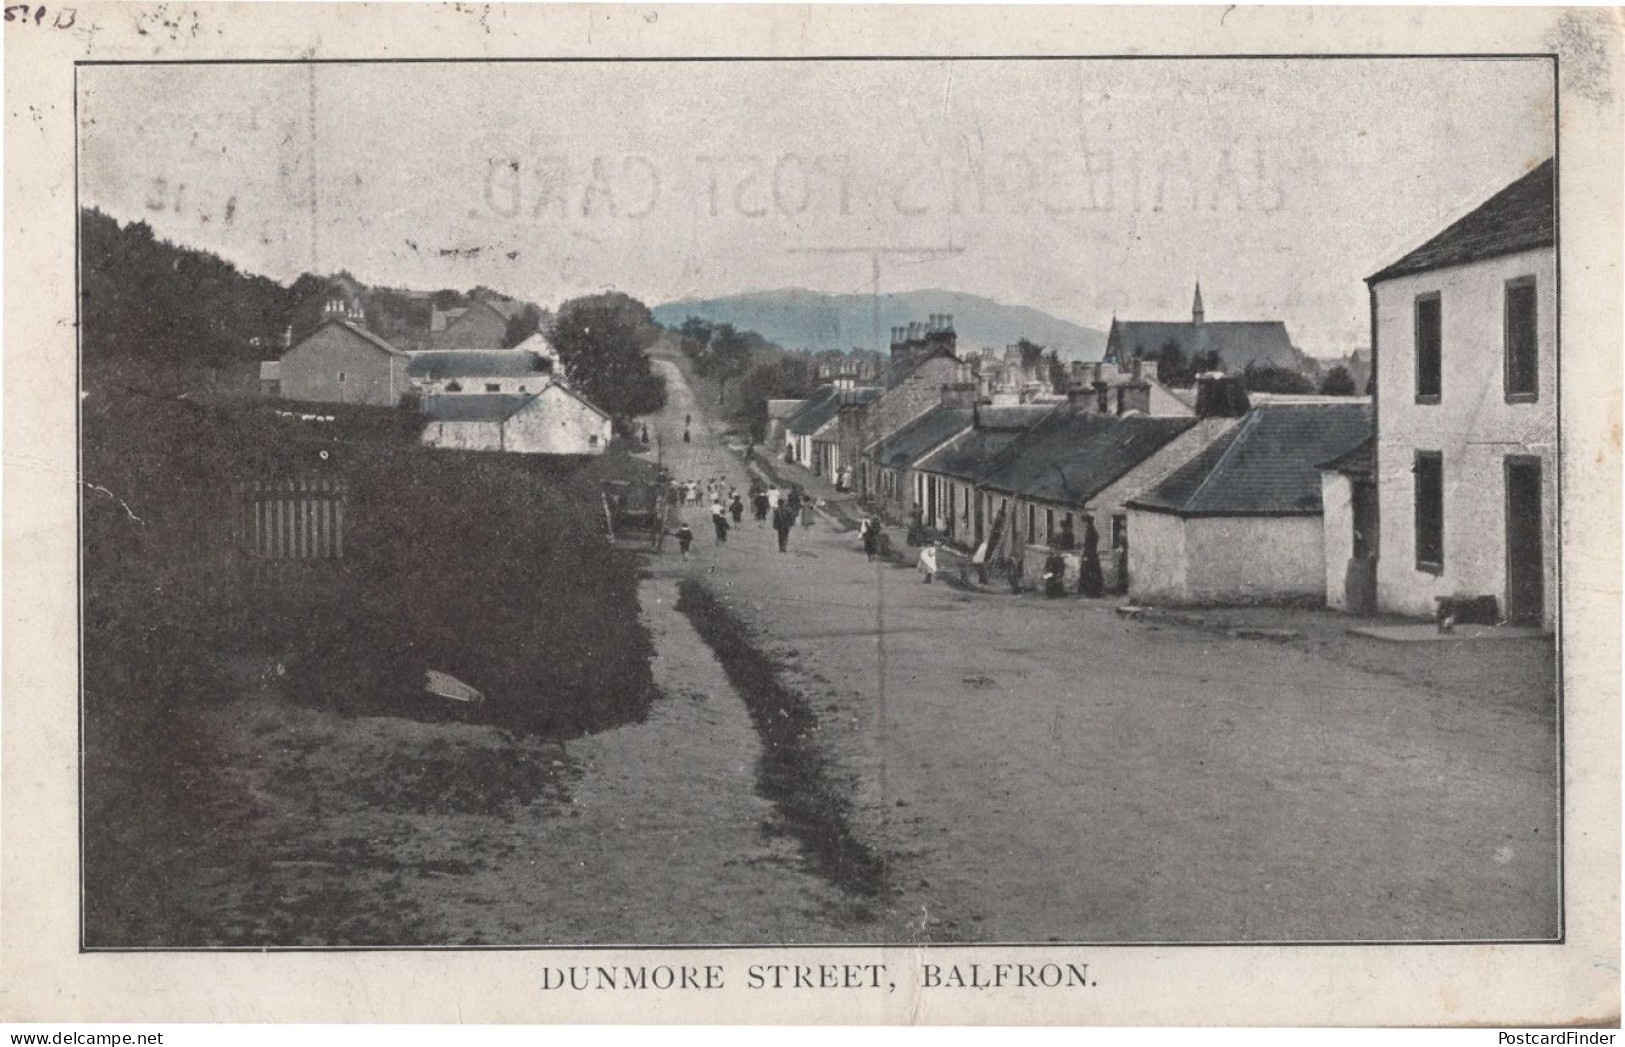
x=1272, y=379
x=1032, y=354
x=725, y=358
x=790, y=376
x=602, y=341
x=524, y=324
x=1338, y=382
x=1055, y=373
x=1202, y=363
x=1172, y=367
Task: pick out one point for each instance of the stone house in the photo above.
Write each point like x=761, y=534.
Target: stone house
x=1080, y=466
x=343, y=362
x=555, y=420
x=947, y=480
x=1241, y=522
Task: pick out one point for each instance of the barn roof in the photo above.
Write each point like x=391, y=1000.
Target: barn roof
x=354, y=329
x=1520, y=217
x=475, y=407
x=1268, y=465
x=1072, y=456
x=474, y=363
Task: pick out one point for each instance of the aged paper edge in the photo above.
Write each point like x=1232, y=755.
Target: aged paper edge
x=44, y=975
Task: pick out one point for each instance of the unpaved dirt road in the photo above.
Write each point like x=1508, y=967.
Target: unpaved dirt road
x=1040, y=770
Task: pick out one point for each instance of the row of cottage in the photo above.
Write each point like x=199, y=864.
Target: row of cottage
x=1441, y=484
x=517, y=400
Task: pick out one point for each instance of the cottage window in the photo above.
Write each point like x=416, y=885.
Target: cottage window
x=1120, y=531
x=341, y=376
x=1429, y=347
x=1032, y=524
x=1049, y=525
x=1429, y=470
x=493, y=387
x=1522, y=344
x=592, y=440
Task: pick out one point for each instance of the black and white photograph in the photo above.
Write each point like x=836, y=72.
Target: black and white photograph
x=794, y=515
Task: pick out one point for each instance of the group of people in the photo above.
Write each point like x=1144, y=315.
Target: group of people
x=766, y=502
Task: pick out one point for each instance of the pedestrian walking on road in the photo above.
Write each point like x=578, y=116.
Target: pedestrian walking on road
x=736, y=509
x=774, y=497
x=871, y=537
x=719, y=520
x=783, y=522
x=759, y=506
x=685, y=538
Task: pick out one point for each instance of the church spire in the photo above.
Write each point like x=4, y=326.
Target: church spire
x=1196, y=306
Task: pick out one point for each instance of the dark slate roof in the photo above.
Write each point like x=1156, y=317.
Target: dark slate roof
x=474, y=363
x=1268, y=465
x=1071, y=457
x=474, y=407
x=893, y=374
x=1238, y=342
x=825, y=396
x=900, y=449
x=1360, y=461
x=366, y=336
x=969, y=455
x=1520, y=217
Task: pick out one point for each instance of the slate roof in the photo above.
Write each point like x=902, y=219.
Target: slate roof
x=892, y=374
x=1268, y=465
x=1238, y=342
x=969, y=455
x=474, y=363
x=507, y=308
x=920, y=436
x=1357, y=462
x=357, y=330
x=1073, y=456
x=475, y=407
x=819, y=407
x=1520, y=217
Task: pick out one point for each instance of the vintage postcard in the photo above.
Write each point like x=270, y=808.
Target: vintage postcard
x=796, y=514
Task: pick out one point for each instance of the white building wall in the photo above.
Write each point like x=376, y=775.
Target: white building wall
x=555, y=422
x=1472, y=426
x=1226, y=559
x=464, y=436
x=1337, y=534
x=481, y=384
x=1156, y=558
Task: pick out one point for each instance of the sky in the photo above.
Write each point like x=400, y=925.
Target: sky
x=1086, y=188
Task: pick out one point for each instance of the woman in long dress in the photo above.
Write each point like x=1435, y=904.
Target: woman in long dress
x=1090, y=581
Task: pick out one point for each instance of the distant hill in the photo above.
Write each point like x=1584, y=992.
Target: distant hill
x=800, y=319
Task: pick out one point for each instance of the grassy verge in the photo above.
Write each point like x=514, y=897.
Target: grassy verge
x=794, y=773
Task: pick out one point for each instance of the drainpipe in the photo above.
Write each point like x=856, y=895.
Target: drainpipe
x=1376, y=441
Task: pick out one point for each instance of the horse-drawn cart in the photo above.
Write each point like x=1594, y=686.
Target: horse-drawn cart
x=636, y=513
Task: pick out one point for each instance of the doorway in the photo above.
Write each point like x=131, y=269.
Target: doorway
x=1526, y=555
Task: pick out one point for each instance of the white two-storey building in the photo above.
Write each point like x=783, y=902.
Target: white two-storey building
x=1464, y=331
